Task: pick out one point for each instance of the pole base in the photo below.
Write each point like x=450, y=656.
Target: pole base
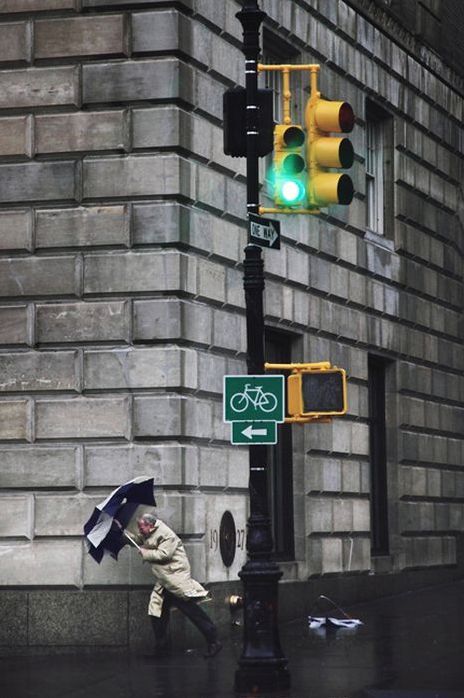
x=262, y=680
x=262, y=667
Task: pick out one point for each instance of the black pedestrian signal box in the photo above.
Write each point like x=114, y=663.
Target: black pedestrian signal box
x=317, y=392
x=235, y=122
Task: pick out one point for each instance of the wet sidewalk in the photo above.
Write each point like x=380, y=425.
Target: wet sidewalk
x=410, y=646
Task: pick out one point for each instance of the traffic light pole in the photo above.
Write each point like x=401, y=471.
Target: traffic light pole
x=262, y=665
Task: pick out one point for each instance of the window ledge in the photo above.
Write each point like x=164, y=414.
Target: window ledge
x=379, y=240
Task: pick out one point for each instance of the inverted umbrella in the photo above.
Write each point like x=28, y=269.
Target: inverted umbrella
x=316, y=622
x=104, y=529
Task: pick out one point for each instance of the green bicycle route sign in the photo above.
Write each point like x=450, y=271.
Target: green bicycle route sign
x=254, y=399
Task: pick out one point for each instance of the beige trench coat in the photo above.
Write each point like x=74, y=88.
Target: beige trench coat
x=171, y=568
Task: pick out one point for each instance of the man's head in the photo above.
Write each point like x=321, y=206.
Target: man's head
x=146, y=523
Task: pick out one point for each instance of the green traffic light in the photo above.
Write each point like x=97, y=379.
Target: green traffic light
x=292, y=188
x=292, y=191
x=288, y=188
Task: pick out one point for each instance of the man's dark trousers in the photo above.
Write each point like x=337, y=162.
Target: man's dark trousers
x=189, y=608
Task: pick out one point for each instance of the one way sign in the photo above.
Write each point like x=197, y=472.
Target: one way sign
x=264, y=231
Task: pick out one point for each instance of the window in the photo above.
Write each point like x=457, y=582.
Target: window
x=280, y=463
x=273, y=81
x=378, y=455
x=379, y=177
x=276, y=50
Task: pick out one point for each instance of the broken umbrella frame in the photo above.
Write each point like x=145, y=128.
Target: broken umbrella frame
x=316, y=622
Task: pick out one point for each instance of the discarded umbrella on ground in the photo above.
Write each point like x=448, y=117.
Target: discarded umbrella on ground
x=331, y=621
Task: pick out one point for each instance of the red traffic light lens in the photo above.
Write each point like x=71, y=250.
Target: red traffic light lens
x=346, y=117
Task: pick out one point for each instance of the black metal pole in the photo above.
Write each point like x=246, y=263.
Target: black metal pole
x=262, y=665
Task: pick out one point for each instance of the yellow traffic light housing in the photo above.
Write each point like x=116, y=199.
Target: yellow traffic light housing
x=315, y=391
x=322, y=118
x=289, y=166
x=303, y=184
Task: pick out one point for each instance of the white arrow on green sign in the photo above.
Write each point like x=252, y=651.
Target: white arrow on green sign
x=254, y=433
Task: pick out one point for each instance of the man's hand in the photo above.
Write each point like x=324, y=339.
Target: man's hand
x=144, y=553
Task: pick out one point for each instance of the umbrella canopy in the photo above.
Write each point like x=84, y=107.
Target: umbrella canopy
x=315, y=622
x=101, y=532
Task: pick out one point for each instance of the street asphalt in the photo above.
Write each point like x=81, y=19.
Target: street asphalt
x=409, y=646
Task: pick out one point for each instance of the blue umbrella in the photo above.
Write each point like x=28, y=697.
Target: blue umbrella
x=104, y=529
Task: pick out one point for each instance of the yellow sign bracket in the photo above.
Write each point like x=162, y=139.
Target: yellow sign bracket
x=264, y=209
x=306, y=420
x=319, y=366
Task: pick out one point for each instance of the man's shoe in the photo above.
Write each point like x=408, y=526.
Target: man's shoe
x=213, y=649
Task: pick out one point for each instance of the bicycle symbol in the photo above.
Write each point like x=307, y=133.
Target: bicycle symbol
x=267, y=402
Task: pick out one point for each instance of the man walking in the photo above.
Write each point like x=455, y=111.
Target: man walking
x=164, y=550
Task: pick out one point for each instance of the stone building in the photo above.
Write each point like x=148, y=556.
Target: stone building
x=122, y=228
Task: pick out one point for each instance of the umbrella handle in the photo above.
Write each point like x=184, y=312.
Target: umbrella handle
x=132, y=540
x=333, y=604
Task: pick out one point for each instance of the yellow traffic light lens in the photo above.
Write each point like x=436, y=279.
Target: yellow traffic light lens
x=346, y=153
x=334, y=152
x=293, y=164
x=292, y=191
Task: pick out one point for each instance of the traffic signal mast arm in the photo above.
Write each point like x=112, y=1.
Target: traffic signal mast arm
x=321, y=365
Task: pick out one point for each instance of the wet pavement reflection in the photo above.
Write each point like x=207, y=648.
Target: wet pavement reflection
x=410, y=646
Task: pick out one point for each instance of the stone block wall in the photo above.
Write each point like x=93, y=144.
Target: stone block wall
x=122, y=231
x=115, y=310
